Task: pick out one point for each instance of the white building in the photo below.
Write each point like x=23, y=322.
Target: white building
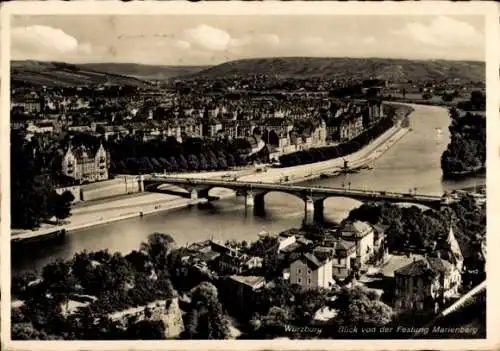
x=312, y=272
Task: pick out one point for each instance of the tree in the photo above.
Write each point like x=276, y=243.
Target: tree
x=183, y=164
x=62, y=205
x=206, y=320
x=193, y=162
x=203, y=162
x=157, y=247
x=477, y=100
x=59, y=280
x=357, y=307
x=20, y=282
x=205, y=294
x=173, y=163
x=26, y=331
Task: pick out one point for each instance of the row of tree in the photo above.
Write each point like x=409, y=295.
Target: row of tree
x=341, y=150
x=132, y=155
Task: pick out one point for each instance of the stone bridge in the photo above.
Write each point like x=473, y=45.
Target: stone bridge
x=313, y=196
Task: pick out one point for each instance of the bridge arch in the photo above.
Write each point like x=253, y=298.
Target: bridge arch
x=270, y=137
x=217, y=191
x=337, y=208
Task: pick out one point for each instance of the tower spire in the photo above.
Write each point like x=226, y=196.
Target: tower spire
x=456, y=252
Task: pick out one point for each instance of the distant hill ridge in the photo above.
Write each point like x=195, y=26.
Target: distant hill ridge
x=64, y=74
x=151, y=72
x=338, y=68
x=38, y=73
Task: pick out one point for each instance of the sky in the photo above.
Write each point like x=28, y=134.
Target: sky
x=207, y=40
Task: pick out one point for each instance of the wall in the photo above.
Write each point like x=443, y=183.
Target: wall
x=121, y=185
x=167, y=311
x=75, y=190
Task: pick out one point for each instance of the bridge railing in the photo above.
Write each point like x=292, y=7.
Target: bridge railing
x=263, y=185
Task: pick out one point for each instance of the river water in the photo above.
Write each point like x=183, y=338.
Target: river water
x=414, y=162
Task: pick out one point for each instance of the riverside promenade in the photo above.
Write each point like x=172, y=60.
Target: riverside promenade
x=125, y=207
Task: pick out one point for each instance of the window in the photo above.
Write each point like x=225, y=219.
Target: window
x=299, y=281
x=309, y=281
x=308, y=271
x=299, y=271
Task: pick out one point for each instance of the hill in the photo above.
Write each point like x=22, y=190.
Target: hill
x=338, y=68
x=38, y=73
x=146, y=72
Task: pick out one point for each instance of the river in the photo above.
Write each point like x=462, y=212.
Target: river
x=414, y=162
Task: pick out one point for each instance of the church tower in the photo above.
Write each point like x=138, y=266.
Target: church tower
x=456, y=254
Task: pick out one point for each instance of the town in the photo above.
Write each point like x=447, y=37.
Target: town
x=180, y=177
x=319, y=276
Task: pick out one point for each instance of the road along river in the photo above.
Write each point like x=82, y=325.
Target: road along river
x=413, y=163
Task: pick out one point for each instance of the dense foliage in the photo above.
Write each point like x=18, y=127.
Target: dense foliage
x=206, y=319
x=411, y=229
x=33, y=196
x=466, y=151
x=282, y=306
x=330, y=152
x=477, y=102
x=111, y=283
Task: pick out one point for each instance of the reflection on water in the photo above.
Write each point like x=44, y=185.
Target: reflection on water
x=414, y=163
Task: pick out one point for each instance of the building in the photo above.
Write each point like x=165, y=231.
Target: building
x=39, y=128
x=354, y=241
x=29, y=104
x=86, y=164
x=312, y=270
x=351, y=127
x=239, y=291
x=234, y=262
x=425, y=284
x=212, y=128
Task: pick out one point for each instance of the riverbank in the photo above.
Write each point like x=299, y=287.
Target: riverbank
x=465, y=173
x=105, y=212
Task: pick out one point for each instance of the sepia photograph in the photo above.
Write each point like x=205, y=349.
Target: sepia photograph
x=233, y=176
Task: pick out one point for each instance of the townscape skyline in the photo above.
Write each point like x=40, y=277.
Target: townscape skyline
x=210, y=40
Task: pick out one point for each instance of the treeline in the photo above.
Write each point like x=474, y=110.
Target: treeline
x=32, y=187
x=132, y=155
x=341, y=150
x=466, y=152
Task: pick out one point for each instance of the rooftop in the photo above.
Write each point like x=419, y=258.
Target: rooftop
x=251, y=280
x=395, y=262
x=425, y=266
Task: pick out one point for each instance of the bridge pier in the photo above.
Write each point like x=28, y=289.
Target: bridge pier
x=194, y=194
x=197, y=193
x=256, y=201
x=313, y=210
x=140, y=180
